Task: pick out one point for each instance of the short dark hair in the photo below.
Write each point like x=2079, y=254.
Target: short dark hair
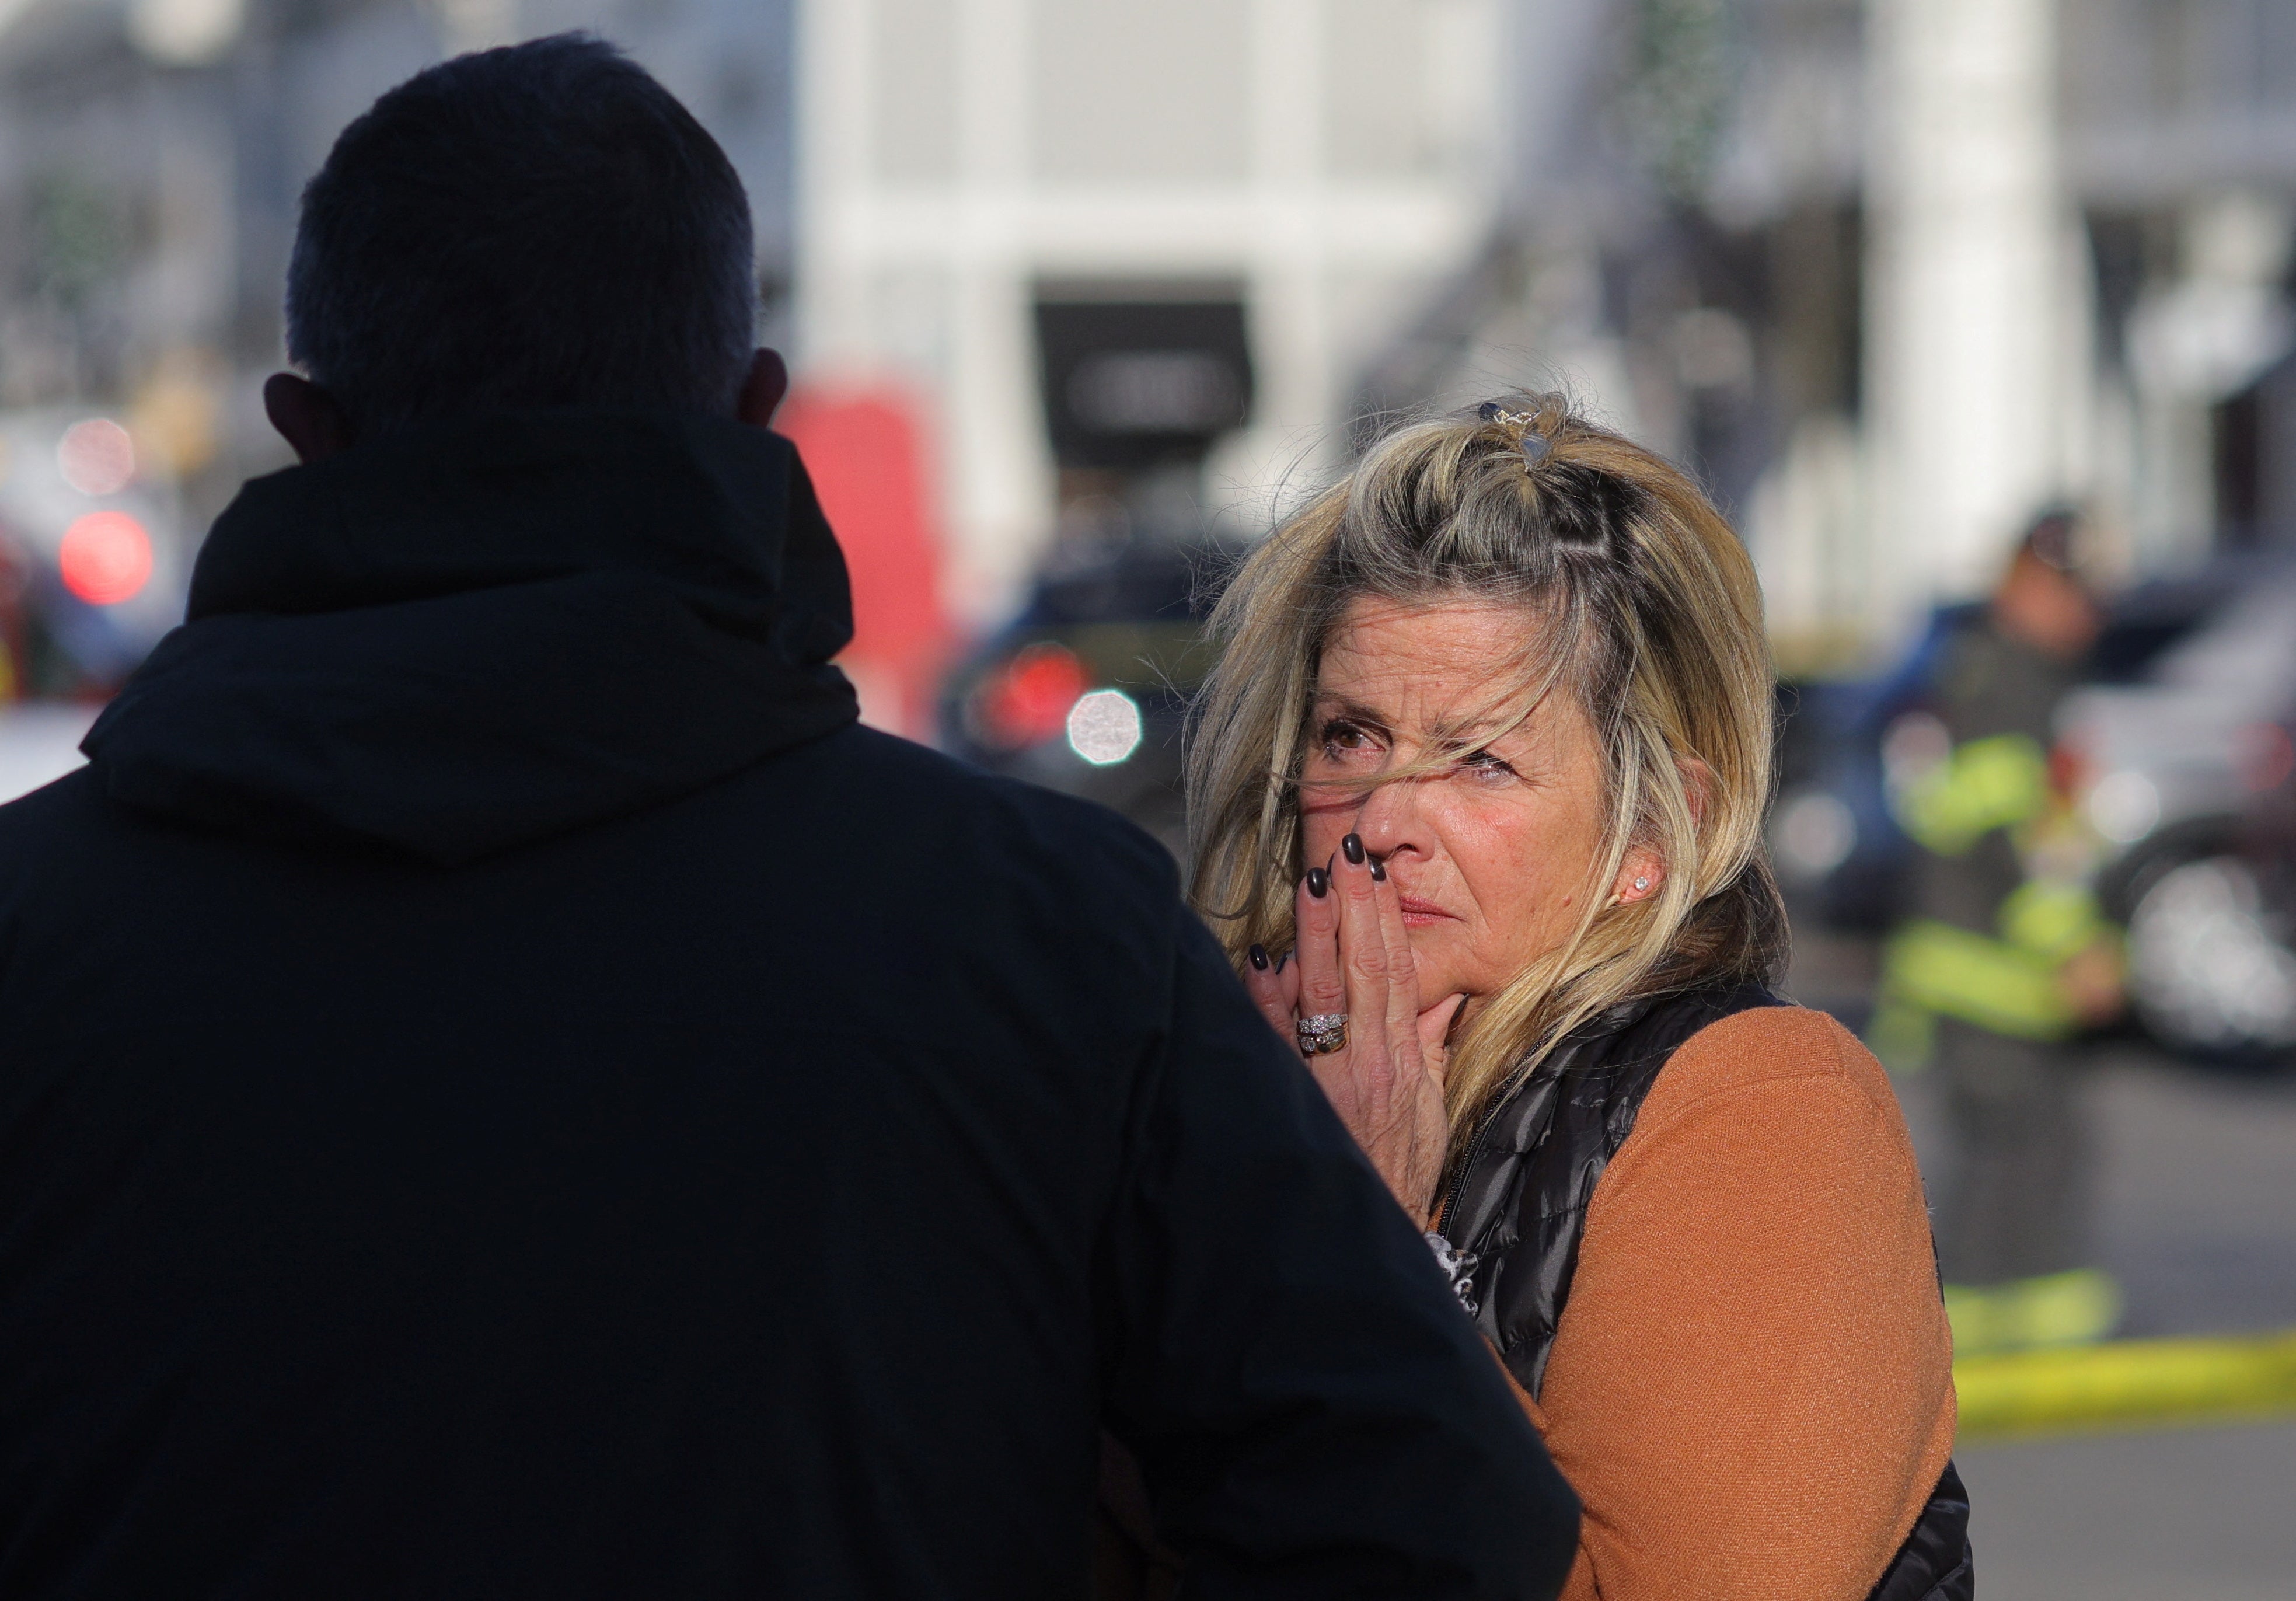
x=542, y=225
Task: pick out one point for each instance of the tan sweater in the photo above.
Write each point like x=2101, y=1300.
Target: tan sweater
x=1752, y=1387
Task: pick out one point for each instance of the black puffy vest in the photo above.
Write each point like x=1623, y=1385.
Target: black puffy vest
x=1518, y=1208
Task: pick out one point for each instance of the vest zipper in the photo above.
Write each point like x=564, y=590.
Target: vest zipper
x=1474, y=1148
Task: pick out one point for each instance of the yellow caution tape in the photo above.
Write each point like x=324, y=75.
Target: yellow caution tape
x=2126, y=1383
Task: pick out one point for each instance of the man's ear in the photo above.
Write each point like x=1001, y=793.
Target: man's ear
x=306, y=418
x=762, y=390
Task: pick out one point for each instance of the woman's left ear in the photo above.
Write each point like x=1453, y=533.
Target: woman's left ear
x=1639, y=876
x=1645, y=870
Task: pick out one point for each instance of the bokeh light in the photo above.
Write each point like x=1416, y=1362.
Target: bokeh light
x=97, y=456
x=106, y=558
x=1027, y=701
x=1104, y=726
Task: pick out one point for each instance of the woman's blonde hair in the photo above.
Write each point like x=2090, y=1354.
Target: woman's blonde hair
x=1651, y=624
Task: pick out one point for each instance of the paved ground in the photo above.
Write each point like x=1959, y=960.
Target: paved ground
x=2197, y=1191
x=2198, y=1515
x=2196, y=1213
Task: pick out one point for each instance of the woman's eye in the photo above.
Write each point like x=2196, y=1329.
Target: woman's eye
x=1339, y=737
x=1483, y=765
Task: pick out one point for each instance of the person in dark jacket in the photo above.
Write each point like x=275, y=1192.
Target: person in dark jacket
x=506, y=1090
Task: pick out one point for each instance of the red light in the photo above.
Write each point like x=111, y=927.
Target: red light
x=1027, y=701
x=106, y=558
x=2069, y=767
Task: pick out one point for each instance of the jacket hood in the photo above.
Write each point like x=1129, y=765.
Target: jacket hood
x=479, y=634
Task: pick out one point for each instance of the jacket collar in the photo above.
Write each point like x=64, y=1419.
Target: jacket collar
x=479, y=634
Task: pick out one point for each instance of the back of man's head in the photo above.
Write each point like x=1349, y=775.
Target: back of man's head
x=538, y=225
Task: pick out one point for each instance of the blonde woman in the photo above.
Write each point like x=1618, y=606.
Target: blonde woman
x=1484, y=763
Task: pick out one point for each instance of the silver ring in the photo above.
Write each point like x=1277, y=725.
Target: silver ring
x=1321, y=1035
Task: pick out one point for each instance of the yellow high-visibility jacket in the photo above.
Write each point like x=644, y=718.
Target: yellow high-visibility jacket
x=2002, y=893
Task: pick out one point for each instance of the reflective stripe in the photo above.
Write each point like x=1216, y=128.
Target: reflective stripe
x=2076, y=1307
x=1990, y=982
x=2053, y=919
x=1984, y=785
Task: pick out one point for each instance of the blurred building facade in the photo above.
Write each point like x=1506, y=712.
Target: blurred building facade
x=2079, y=249
x=1093, y=238
x=2016, y=251
x=1888, y=274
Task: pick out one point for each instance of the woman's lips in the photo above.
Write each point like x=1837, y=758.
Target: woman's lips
x=1419, y=914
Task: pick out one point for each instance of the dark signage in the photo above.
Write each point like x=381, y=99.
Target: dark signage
x=1131, y=383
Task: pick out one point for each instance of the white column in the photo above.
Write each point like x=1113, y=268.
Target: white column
x=1288, y=299
x=831, y=291
x=1973, y=399
x=998, y=461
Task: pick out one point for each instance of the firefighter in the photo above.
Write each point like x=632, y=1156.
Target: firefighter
x=2008, y=958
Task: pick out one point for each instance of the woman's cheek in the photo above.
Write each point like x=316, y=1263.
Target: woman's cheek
x=1533, y=907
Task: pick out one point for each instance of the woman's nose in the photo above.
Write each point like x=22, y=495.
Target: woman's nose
x=1388, y=820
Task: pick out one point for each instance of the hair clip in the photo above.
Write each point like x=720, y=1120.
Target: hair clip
x=1531, y=441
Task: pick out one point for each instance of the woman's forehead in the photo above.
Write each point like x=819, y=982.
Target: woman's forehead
x=1458, y=630
x=1450, y=662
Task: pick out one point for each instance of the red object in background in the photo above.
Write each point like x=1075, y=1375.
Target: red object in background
x=1027, y=701
x=2069, y=767
x=866, y=451
x=106, y=558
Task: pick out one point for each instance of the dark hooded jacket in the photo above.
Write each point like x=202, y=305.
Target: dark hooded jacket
x=506, y=1090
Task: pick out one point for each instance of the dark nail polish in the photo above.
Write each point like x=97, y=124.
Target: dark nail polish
x=1378, y=871
x=1352, y=848
x=1280, y=961
x=1260, y=957
x=1318, y=881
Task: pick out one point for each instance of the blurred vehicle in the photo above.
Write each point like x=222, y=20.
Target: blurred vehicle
x=2184, y=771
x=2179, y=753
x=1085, y=690
x=1839, y=853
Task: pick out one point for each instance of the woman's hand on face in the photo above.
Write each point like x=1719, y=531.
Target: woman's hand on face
x=1354, y=959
